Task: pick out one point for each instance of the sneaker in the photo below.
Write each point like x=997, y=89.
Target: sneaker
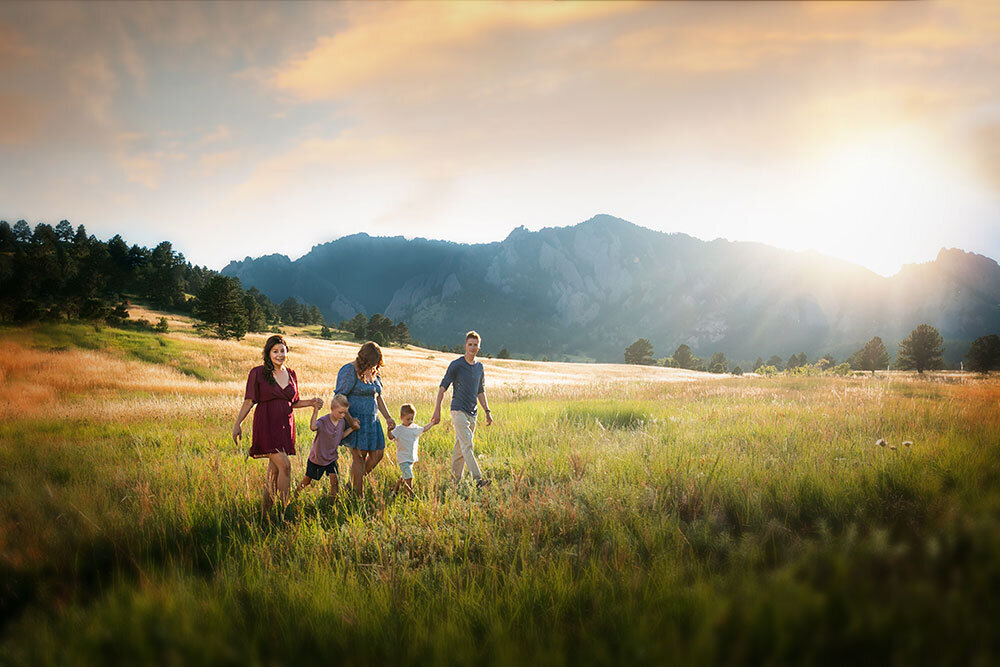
x=483, y=483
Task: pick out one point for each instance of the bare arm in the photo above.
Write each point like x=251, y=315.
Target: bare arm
x=390, y=423
x=240, y=416
x=486, y=407
x=429, y=426
x=308, y=403
x=436, y=417
x=312, y=419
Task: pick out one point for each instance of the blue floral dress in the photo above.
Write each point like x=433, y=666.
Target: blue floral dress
x=369, y=436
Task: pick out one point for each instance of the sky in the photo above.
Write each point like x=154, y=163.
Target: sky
x=868, y=132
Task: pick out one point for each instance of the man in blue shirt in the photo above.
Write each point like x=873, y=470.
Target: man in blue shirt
x=466, y=374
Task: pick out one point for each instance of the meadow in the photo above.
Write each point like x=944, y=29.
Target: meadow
x=637, y=516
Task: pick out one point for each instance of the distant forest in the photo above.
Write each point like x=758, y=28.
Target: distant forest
x=62, y=273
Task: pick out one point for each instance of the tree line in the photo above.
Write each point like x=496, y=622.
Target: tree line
x=64, y=273
x=922, y=350
x=58, y=272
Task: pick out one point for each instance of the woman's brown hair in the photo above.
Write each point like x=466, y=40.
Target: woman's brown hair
x=369, y=356
x=268, y=365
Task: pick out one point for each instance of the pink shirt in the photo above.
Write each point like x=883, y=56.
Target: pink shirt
x=328, y=437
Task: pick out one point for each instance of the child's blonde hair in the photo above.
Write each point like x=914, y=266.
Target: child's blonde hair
x=407, y=409
x=340, y=400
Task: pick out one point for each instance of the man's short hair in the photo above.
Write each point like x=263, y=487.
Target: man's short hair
x=472, y=334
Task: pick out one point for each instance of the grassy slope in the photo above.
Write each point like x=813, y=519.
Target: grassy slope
x=704, y=521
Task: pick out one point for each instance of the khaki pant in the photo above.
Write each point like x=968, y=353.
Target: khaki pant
x=462, y=455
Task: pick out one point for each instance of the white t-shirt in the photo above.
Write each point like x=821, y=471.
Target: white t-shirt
x=407, y=441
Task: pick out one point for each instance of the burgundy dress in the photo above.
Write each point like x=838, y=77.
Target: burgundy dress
x=273, y=421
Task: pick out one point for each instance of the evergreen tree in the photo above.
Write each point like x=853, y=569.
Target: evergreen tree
x=401, y=333
x=220, y=304
x=503, y=353
x=379, y=329
x=683, y=357
x=22, y=232
x=757, y=364
x=984, y=354
x=777, y=362
x=164, y=276
x=7, y=241
x=358, y=325
x=921, y=350
x=64, y=231
x=640, y=352
x=256, y=321
x=718, y=363
x=290, y=311
x=871, y=357
x=267, y=307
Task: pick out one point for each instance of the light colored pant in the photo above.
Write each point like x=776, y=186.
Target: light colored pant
x=462, y=455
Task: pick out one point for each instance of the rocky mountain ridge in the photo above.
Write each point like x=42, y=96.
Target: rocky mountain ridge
x=589, y=290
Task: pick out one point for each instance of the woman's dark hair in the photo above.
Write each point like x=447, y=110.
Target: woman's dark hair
x=268, y=365
x=369, y=356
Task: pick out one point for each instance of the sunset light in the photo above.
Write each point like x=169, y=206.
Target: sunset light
x=800, y=125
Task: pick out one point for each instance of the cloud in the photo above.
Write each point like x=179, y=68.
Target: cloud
x=401, y=42
x=21, y=120
x=220, y=134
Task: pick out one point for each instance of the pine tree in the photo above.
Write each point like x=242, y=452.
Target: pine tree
x=921, y=350
x=871, y=357
x=683, y=357
x=220, y=304
x=640, y=352
x=984, y=354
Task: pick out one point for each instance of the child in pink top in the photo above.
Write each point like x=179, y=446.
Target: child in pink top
x=330, y=430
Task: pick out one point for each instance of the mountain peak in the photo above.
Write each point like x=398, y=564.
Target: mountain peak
x=518, y=232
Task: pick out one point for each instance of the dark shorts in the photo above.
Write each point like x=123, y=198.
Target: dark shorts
x=315, y=470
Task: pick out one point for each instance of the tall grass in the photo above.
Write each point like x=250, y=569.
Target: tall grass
x=724, y=521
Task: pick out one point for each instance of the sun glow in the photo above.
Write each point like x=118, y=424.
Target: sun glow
x=880, y=200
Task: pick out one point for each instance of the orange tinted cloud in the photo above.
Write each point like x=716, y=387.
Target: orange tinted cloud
x=20, y=119
x=392, y=42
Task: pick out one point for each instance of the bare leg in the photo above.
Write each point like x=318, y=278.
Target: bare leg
x=270, y=482
x=284, y=468
x=334, y=485
x=306, y=481
x=408, y=486
x=358, y=471
x=373, y=460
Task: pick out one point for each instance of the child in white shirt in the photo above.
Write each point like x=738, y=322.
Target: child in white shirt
x=407, y=437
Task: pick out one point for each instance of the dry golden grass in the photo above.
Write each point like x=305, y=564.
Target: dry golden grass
x=32, y=380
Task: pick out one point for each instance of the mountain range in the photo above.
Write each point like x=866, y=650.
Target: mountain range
x=589, y=290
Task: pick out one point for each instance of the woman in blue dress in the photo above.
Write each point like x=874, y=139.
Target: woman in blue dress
x=360, y=381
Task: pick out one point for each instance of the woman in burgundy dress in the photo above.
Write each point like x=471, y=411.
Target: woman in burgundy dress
x=274, y=389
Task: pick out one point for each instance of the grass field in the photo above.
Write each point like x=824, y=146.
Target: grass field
x=637, y=516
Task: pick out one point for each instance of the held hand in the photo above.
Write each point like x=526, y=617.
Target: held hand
x=436, y=417
x=318, y=403
x=237, y=434
x=353, y=423
x=390, y=423
x=489, y=419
